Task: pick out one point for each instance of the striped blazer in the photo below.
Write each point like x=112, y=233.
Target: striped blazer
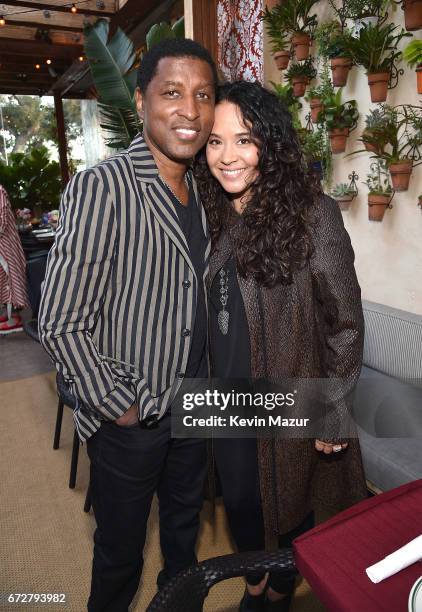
x=120, y=289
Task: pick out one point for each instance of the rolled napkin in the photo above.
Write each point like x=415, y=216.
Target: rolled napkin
x=398, y=560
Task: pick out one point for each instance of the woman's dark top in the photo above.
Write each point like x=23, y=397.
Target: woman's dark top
x=191, y=224
x=230, y=353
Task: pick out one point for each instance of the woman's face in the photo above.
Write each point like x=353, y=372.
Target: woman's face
x=231, y=155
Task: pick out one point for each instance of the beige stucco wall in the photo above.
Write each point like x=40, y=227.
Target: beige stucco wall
x=388, y=254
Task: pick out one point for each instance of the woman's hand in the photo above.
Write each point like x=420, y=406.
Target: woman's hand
x=328, y=448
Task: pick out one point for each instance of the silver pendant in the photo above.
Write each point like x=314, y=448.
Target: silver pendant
x=223, y=321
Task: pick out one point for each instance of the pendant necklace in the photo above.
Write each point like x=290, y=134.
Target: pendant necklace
x=223, y=315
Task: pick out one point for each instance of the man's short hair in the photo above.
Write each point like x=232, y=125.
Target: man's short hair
x=171, y=47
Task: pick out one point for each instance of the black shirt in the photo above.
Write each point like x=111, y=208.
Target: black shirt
x=191, y=224
x=230, y=353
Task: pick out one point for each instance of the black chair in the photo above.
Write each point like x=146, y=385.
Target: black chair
x=187, y=591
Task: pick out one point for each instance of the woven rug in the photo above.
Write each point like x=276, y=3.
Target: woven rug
x=46, y=538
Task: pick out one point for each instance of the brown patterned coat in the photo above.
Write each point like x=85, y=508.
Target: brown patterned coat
x=313, y=328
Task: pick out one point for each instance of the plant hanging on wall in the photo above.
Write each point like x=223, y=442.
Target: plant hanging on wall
x=340, y=119
x=317, y=94
x=332, y=42
x=412, y=54
x=294, y=17
x=412, y=14
x=299, y=75
x=380, y=190
x=280, y=44
x=376, y=50
x=398, y=141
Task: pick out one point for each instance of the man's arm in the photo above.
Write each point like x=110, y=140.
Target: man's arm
x=78, y=274
x=338, y=297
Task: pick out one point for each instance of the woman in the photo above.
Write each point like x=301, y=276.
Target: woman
x=284, y=303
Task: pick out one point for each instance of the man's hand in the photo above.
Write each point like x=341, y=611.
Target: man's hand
x=130, y=417
x=327, y=448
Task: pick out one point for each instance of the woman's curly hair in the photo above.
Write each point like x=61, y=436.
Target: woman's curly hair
x=275, y=239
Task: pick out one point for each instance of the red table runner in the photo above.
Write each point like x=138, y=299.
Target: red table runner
x=334, y=555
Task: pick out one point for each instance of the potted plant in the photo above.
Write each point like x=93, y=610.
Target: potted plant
x=285, y=93
x=412, y=54
x=316, y=95
x=412, y=14
x=376, y=50
x=374, y=122
x=333, y=44
x=299, y=75
x=399, y=142
x=380, y=190
x=340, y=119
x=280, y=45
x=317, y=151
x=294, y=17
x=343, y=195
x=364, y=12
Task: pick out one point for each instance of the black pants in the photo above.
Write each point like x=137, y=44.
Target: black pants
x=237, y=467
x=128, y=464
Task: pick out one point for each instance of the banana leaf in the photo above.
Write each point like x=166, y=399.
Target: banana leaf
x=109, y=63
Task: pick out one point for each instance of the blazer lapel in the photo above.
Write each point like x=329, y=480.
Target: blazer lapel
x=155, y=195
x=204, y=225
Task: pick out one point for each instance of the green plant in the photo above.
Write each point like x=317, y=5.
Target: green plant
x=378, y=179
x=285, y=93
x=341, y=190
x=332, y=40
x=113, y=67
x=293, y=16
x=302, y=69
x=274, y=27
x=412, y=54
x=338, y=115
x=32, y=180
x=316, y=148
x=398, y=134
x=324, y=89
x=359, y=9
x=376, y=47
x=375, y=119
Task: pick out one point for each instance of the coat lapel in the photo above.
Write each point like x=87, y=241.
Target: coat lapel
x=155, y=195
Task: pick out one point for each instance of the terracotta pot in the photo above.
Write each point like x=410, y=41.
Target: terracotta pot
x=377, y=205
x=344, y=202
x=400, y=174
x=340, y=68
x=378, y=84
x=412, y=14
x=301, y=43
x=419, y=78
x=299, y=84
x=316, y=107
x=338, y=138
x=369, y=147
x=282, y=59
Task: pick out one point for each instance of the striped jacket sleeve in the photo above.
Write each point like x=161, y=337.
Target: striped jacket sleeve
x=78, y=274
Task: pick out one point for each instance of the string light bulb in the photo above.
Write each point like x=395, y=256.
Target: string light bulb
x=37, y=66
x=2, y=21
x=81, y=58
x=74, y=9
x=48, y=61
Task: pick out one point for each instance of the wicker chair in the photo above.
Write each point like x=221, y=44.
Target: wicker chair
x=188, y=590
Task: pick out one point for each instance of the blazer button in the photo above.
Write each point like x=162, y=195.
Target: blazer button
x=186, y=284
x=185, y=333
x=180, y=375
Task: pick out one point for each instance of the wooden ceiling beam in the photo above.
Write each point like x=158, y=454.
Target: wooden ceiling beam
x=11, y=64
x=36, y=50
x=43, y=26
x=60, y=9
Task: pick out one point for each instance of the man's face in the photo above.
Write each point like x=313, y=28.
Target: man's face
x=177, y=107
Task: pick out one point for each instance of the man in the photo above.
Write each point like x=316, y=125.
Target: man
x=123, y=316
